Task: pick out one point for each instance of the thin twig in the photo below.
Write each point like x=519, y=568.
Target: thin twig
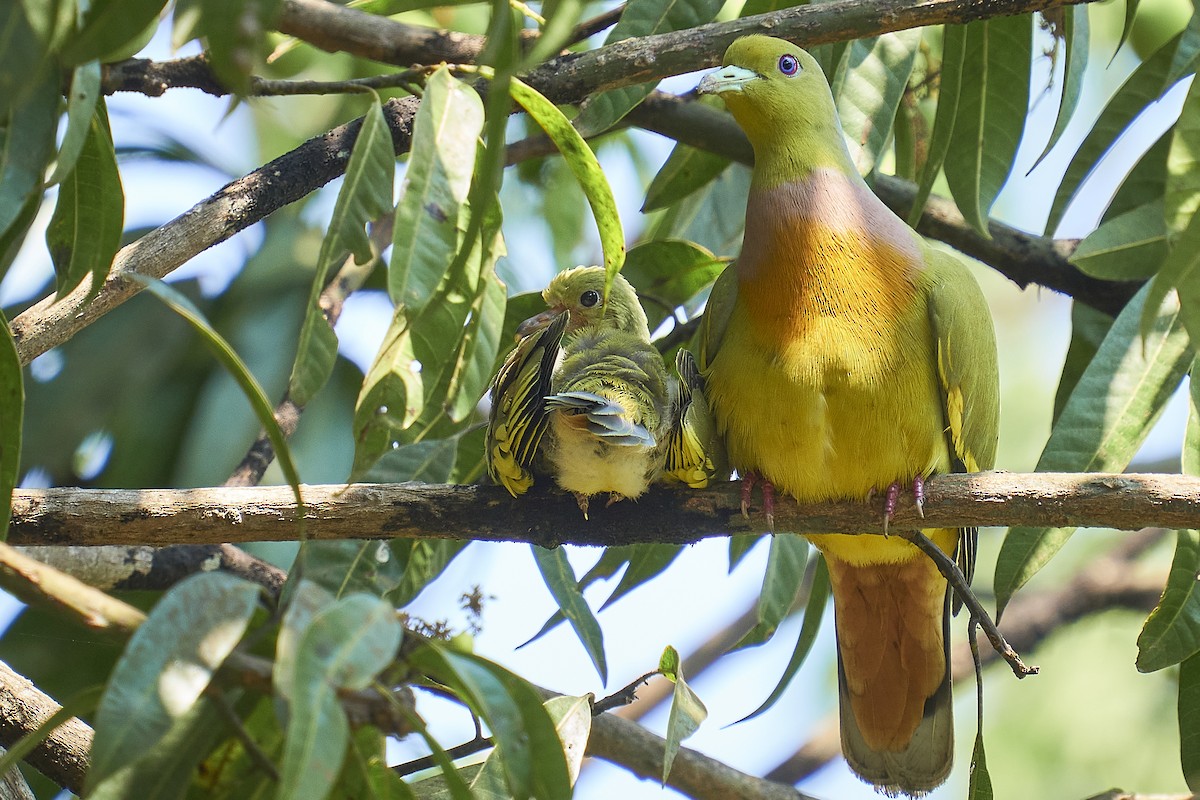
x=256, y=754
x=458, y=751
x=962, y=590
x=590, y=27
x=623, y=696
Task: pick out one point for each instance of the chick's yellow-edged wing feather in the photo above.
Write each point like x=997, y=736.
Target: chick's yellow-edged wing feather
x=519, y=415
x=695, y=454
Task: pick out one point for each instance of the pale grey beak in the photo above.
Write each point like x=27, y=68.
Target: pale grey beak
x=537, y=322
x=727, y=79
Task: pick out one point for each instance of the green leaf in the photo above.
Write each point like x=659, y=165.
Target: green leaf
x=1189, y=721
x=12, y=239
x=109, y=25
x=431, y=215
x=814, y=610
x=1181, y=197
x=366, y=195
x=640, y=18
x=1131, y=7
x=235, y=31
x=343, y=648
x=85, y=232
x=781, y=584
x=1190, y=455
x=12, y=416
x=166, y=770
x=687, y=711
x=1145, y=85
x=1180, y=271
x=993, y=103
x=167, y=664
x=1146, y=182
x=1113, y=407
x=430, y=461
x=954, y=42
x=231, y=772
x=587, y=171
x=525, y=735
x=685, y=170
x=870, y=81
x=81, y=107
x=451, y=782
x=391, y=399
x=1130, y=246
x=237, y=368
x=741, y=544
x=1172, y=631
x=353, y=565
x=980, y=787
x=366, y=774
x=573, y=720
x=26, y=144
x=560, y=580
x=480, y=344
x=668, y=273
x=1075, y=36
x=1088, y=329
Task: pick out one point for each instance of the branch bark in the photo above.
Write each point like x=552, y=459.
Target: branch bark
x=64, y=756
x=549, y=518
x=566, y=79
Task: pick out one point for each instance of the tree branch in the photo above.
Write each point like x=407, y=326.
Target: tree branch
x=64, y=755
x=564, y=80
x=550, y=518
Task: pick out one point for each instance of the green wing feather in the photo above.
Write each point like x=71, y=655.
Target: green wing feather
x=716, y=316
x=968, y=373
x=695, y=455
x=519, y=416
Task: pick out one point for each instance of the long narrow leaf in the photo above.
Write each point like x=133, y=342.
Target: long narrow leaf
x=1075, y=36
x=560, y=580
x=366, y=194
x=781, y=583
x=954, y=42
x=687, y=711
x=81, y=106
x=1113, y=407
x=587, y=171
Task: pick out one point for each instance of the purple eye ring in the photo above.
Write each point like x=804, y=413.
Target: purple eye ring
x=788, y=64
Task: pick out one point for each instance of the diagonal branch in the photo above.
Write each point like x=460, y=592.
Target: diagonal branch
x=550, y=518
x=566, y=79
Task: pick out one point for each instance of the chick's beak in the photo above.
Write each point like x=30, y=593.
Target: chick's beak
x=537, y=322
x=727, y=79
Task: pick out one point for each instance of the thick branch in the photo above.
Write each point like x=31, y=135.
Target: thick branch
x=64, y=756
x=567, y=79
x=487, y=513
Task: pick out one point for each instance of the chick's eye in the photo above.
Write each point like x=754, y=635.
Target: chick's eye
x=589, y=298
x=789, y=65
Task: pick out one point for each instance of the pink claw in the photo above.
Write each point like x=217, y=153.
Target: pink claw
x=748, y=489
x=768, y=492
x=892, y=499
x=919, y=495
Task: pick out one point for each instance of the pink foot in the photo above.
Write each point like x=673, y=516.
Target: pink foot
x=768, y=492
x=892, y=497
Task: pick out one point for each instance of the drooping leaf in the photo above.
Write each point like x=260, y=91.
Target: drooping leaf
x=869, y=83
x=781, y=583
x=1172, y=631
x=110, y=25
x=480, y=343
x=814, y=610
x=167, y=664
x=993, y=102
x=237, y=368
x=1145, y=183
x=343, y=648
x=1110, y=412
x=85, y=232
x=12, y=417
x=1131, y=7
x=366, y=195
x=430, y=216
x=1075, y=37
x=980, y=786
x=423, y=560
x=1145, y=85
x=26, y=144
x=392, y=396
x=1180, y=272
x=687, y=711
x=81, y=106
x=24, y=57
x=587, y=171
x=1189, y=721
x=685, y=170
x=1127, y=247
x=525, y=735
x=641, y=18
x=366, y=773
x=1088, y=329
x=560, y=580
x=1181, y=197
x=954, y=42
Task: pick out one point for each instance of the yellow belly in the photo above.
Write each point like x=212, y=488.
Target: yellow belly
x=830, y=417
x=583, y=464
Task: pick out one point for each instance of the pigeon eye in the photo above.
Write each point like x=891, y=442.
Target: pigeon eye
x=589, y=298
x=789, y=65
